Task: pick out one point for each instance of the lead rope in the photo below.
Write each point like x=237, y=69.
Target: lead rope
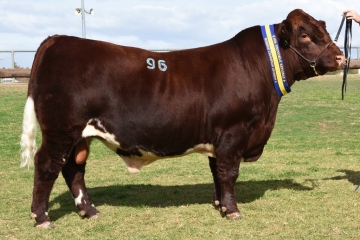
x=347, y=50
x=341, y=24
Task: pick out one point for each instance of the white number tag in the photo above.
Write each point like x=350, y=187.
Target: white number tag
x=152, y=64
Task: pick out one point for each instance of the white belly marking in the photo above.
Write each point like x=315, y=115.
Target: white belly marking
x=135, y=163
x=107, y=138
x=94, y=128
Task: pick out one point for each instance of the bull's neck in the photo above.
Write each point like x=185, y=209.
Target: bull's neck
x=292, y=69
x=295, y=69
x=248, y=42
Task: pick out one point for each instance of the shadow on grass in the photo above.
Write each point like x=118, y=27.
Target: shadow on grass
x=351, y=176
x=168, y=196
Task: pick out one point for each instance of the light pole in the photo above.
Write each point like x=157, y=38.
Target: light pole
x=82, y=11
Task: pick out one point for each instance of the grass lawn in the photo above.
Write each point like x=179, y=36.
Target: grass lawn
x=301, y=188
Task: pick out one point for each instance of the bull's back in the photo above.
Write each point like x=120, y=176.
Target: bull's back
x=84, y=70
x=74, y=80
x=71, y=61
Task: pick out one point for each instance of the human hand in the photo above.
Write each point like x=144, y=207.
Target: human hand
x=351, y=14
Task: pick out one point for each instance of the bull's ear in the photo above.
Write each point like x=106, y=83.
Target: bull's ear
x=284, y=33
x=322, y=23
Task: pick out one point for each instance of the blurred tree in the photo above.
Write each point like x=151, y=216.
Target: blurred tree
x=16, y=66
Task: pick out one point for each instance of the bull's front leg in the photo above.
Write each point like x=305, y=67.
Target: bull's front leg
x=225, y=172
x=217, y=190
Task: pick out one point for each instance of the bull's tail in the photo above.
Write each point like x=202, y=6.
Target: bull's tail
x=28, y=137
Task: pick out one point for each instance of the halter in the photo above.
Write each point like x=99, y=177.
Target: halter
x=312, y=63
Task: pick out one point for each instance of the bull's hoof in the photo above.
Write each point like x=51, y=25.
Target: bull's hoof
x=216, y=205
x=83, y=214
x=96, y=216
x=233, y=216
x=45, y=225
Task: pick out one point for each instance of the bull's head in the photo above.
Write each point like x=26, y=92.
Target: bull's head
x=311, y=44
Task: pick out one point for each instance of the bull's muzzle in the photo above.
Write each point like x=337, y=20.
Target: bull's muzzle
x=341, y=60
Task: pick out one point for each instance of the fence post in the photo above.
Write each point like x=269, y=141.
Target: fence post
x=358, y=58
x=12, y=59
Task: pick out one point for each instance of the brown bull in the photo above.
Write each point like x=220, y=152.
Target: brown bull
x=218, y=100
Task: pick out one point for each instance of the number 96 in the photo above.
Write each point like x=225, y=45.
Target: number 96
x=152, y=64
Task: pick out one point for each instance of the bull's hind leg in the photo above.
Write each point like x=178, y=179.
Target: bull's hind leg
x=49, y=161
x=74, y=173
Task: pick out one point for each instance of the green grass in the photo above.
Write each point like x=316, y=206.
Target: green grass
x=301, y=188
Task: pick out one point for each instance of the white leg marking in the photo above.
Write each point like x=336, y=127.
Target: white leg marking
x=78, y=199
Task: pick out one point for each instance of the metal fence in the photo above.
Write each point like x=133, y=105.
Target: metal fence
x=24, y=58
x=355, y=52
x=16, y=59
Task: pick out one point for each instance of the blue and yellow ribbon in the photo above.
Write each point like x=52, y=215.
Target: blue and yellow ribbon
x=275, y=58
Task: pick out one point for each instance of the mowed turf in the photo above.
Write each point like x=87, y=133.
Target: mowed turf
x=301, y=188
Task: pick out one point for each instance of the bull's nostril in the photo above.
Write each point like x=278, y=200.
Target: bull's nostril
x=340, y=59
